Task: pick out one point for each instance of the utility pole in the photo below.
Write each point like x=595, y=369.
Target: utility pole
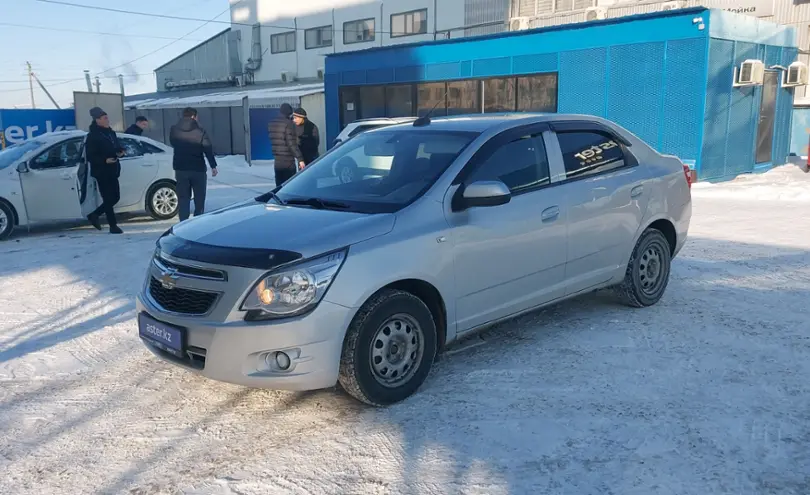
x=31, y=83
x=98, y=85
x=87, y=79
x=121, y=83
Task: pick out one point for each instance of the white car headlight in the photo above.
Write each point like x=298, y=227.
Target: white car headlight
x=294, y=290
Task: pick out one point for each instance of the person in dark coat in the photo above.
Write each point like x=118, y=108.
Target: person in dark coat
x=191, y=146
x=308, y=138
x=284, y=142
x=103, y=151
x=140, y=125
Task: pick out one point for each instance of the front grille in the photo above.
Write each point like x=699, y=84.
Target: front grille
x=179, y=300
x=165, y=264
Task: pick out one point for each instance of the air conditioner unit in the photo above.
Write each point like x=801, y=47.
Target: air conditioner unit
x=519, y=23
x=795, y=75
x=751, y=73
x=287, y=76
x=673, y=5
x=595, y=13
x=320, y=73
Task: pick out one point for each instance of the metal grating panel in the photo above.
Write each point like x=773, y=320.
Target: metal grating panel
x=773, y=56
x=466, y=69
x=353, y=77
x=739, y=146
x=492, y=67
x=450, y=70
x=684, y=85
x=541, y=62
x=409, y=73
x=582, y=75
x=378, y=76
x=718, y=89
x=635, y=88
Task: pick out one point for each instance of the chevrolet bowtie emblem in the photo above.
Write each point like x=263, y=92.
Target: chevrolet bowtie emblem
x=168, y=279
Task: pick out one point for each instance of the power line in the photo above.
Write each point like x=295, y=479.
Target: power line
x=100, y=33
x=60, y=80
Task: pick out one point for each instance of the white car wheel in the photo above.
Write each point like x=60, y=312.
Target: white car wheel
x=6, y=221
x=162, y=202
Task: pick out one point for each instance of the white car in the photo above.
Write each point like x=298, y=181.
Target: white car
x=346, y=170
x=39, y=184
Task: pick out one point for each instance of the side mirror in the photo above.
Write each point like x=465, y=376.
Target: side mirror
x=22, y=168
x=482, y=194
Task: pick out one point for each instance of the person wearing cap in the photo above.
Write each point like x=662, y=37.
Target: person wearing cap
x=191, y=147
x=103, y=151
x=284, y=141
x=308, y=138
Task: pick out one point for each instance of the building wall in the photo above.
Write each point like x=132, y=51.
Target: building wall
x=445, y=17
x=208, y=60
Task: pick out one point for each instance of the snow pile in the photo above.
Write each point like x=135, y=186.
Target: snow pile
x=785, y=183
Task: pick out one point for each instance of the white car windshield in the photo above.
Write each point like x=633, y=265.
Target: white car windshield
x=376, y=172
x=16, y=151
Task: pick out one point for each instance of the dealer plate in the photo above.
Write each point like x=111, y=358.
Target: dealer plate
x=165, y=337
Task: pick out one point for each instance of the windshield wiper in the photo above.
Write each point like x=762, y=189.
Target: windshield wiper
x=321, y=204
x=275, y=196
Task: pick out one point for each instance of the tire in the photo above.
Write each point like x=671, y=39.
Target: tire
x=369, y=350
x=7, y=217
x=161, y=201
x=647, y=275
x=346, y=173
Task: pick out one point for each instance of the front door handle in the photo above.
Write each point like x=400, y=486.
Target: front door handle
x=636, y=191
x=550, y=214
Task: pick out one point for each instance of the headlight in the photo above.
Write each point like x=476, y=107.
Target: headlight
x=294, y=290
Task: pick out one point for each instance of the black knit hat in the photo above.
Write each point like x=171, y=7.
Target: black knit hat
x=300, y=112
x=285, y=109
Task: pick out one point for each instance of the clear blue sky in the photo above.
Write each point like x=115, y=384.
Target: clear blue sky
x=59, y=55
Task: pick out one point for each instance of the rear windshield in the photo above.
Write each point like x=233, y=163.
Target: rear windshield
x=380, y=171
x=16, y=151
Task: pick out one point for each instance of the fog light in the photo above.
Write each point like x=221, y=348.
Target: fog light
x=282, y=361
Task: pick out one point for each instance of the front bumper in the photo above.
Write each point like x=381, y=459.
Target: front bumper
x=235, y=351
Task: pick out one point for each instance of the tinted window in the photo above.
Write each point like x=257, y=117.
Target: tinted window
x=399, y=101
x=16, y=151
x=499, y=95
x=65, y=154
x=430, y=96
x=587, y=153
x=463, y=97
x=131, y=147
x=537, y=93
x=521, y=164
x=390, y=168
x=372, y=102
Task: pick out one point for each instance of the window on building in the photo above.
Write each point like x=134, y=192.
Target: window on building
x=318, y=37
x=409, y=23
x=537, y=93
x=499, y=95
x=463, y=97
x=372, y=102
x=282, y=42
x=360, y=31
x=430, y=95
x=589, y=153
x=399, y=100
x=521, y=164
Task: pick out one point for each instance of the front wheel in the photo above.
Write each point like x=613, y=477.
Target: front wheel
x=161, y=201
x=647, y=272
x=6, y=221
x=389, y=348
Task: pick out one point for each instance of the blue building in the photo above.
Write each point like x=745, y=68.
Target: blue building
x=668, y=77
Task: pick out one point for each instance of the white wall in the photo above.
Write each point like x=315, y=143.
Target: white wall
x=278, y=16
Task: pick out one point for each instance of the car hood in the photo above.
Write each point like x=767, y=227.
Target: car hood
x=254, y=225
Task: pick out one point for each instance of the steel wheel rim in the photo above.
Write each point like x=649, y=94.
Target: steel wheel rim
x=651, y=269
x=346, y=175
x=396, y=350
x=4, y=221
x=165, y=201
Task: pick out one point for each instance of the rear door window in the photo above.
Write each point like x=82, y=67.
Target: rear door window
x=588, y=153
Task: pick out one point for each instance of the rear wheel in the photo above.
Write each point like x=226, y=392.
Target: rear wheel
x=647, y=274
x=161, y=201
x=6, y=220
x=389, y=348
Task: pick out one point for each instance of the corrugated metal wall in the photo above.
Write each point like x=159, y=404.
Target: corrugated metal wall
x=208, y=60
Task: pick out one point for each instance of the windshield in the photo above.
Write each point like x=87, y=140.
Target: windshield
x=16, y=151
x=376, y=172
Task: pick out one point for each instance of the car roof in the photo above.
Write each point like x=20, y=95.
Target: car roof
x=383, y=120
x=482, y=122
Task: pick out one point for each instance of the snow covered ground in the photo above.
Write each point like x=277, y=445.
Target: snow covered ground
x=705, y=393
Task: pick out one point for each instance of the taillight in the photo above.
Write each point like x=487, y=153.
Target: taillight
x=687, y=172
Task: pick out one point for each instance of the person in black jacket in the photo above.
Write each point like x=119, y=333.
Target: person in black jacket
x=284, y=142
x=308, y=137
x=103, y=152
x=191, y=144
x=140, y=125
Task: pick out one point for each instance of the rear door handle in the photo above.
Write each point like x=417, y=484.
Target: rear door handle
x=550, y=214
x=636, y=191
